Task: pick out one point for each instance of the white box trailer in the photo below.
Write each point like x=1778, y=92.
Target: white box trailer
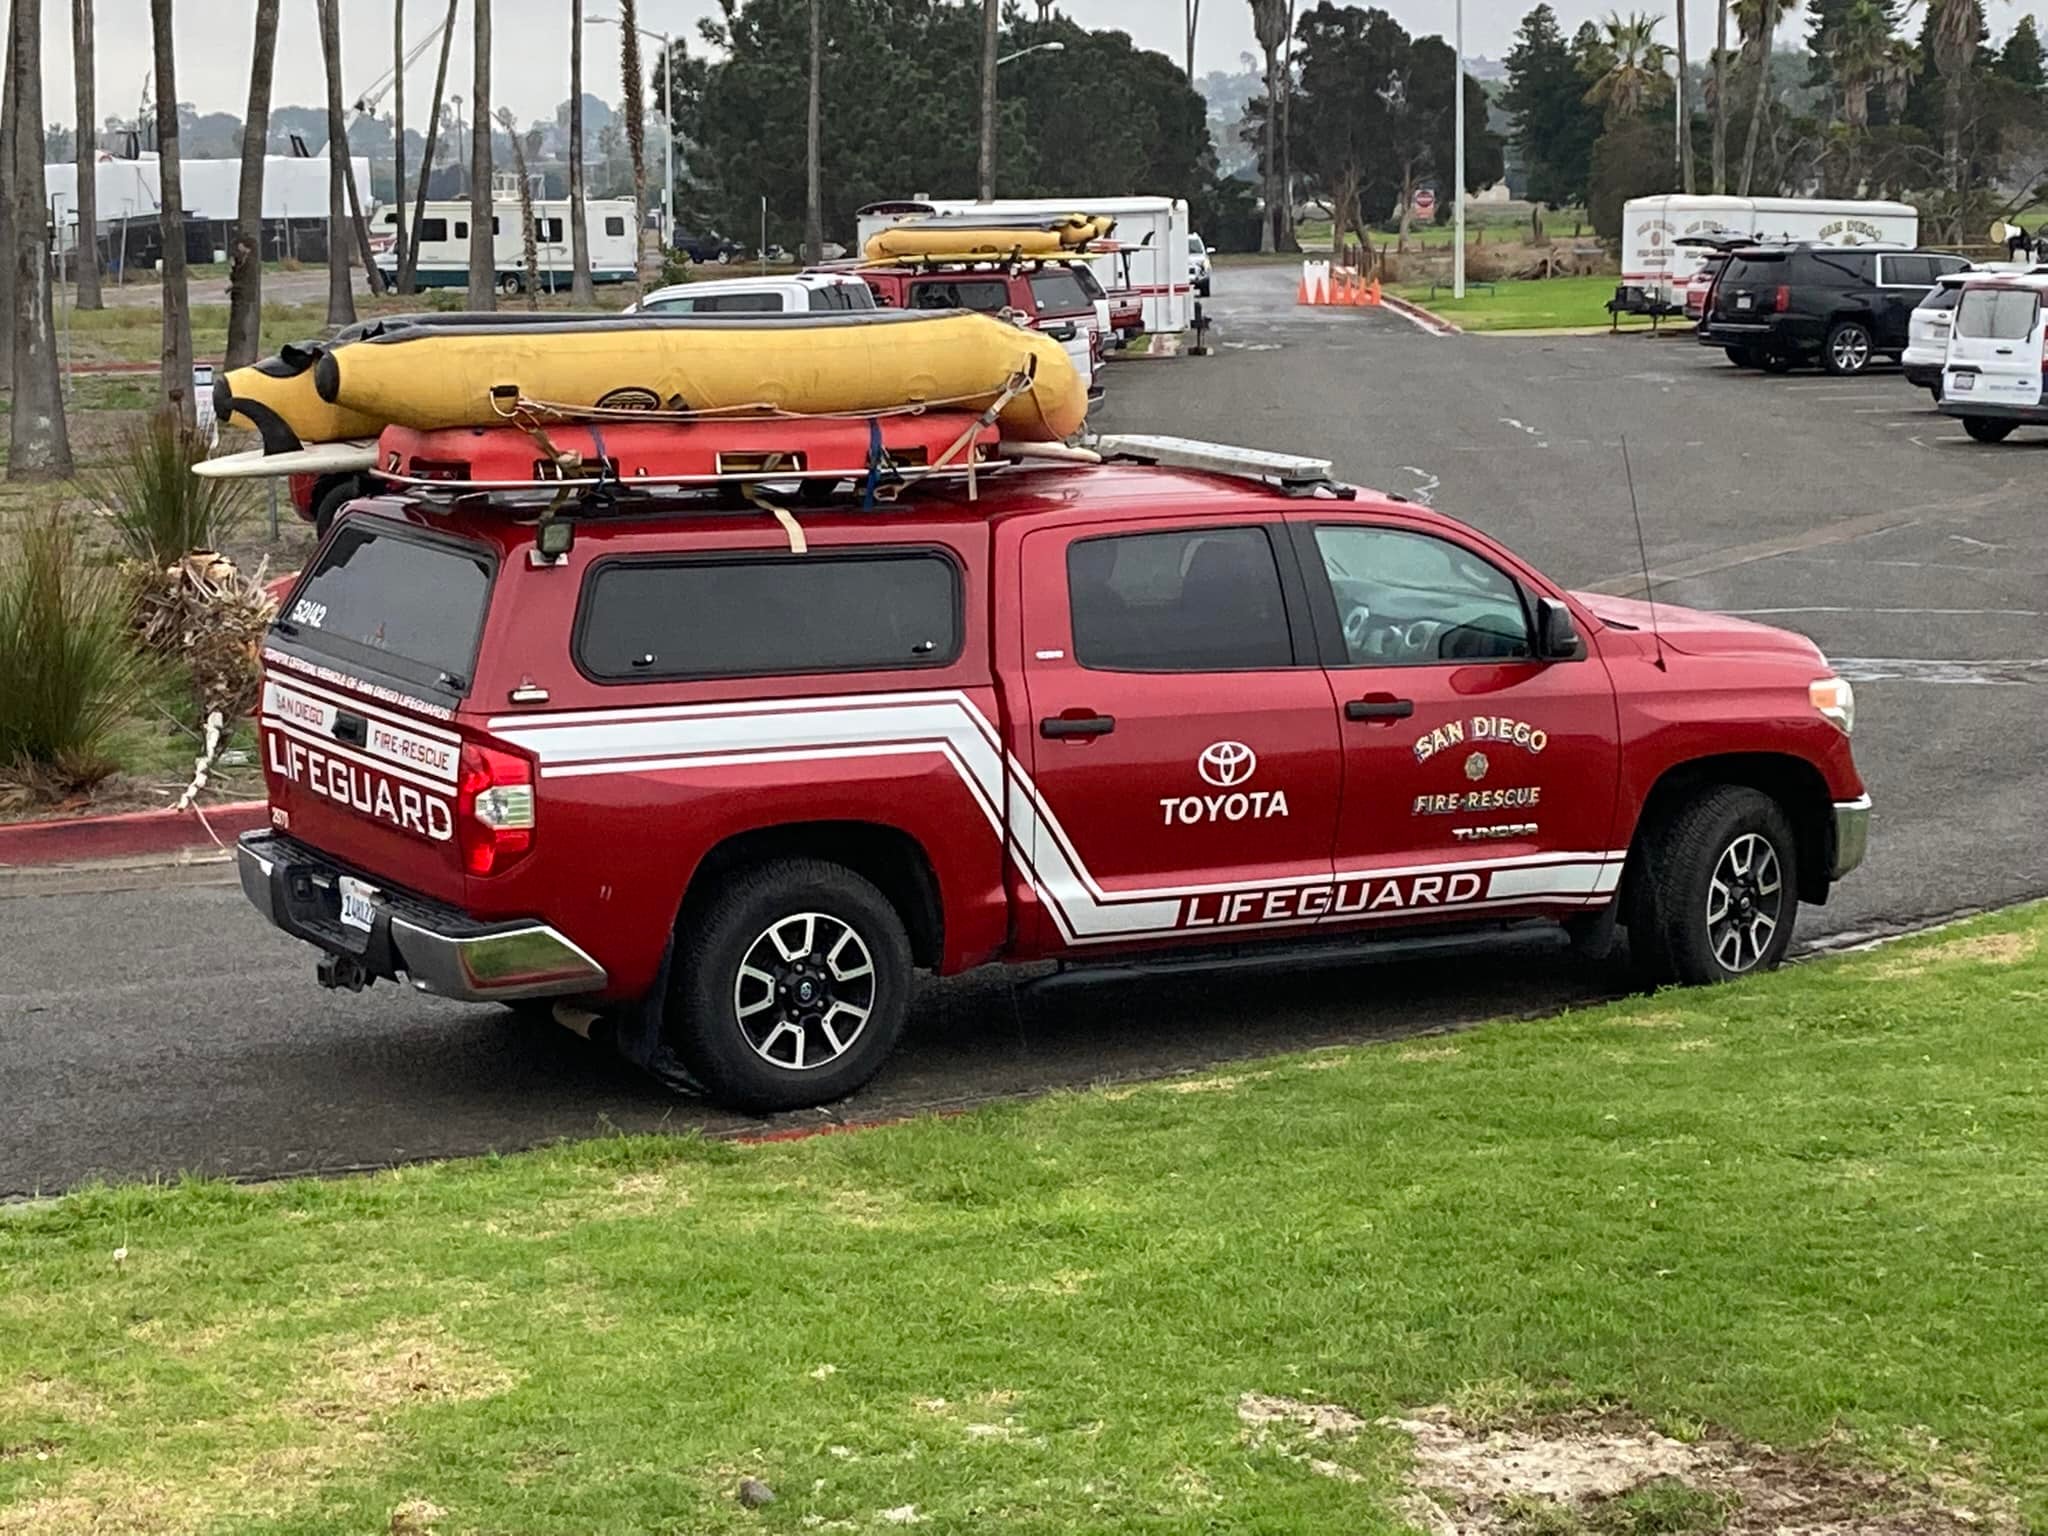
x=1144, y=267
x=444, y=242
x=1651, y=228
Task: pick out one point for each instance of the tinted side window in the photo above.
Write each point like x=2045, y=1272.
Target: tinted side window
x=1900, y=270
x=549, y=230
x=1058, y=292
x=1756, y=270
x=1942, y=264
x=1944, y=297
x=394, y=603
x=740, y=304
x=433, y=229
x=785, y=614
x=461, y=229
x=1407, y=597
x=987, y=295
x=614, y=225
x=1199, y=600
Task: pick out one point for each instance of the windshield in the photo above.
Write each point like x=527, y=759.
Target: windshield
x=1997, y=314
x=388, y=600
x=1195, y=246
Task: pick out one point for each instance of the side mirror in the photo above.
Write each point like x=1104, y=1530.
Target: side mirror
x=1557, y=637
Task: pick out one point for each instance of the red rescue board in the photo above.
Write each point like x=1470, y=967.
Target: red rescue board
x=684, y=453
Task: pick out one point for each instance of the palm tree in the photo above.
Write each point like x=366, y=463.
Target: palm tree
x=1901, y=68
x=87, y=256
x=1758, y=21
x=483, y=251
x=1958, y=28
x=1269, y=23
x=529, y=247
x=1720, y=88
x=636, y=126
x=398, y=131
x=341, y=302
x=991, y=28
x=7, y=138
x=409, y=258
x=1191, y=13
x=1684, y=104
x=580, y=293
x=814, y=191
x=1634, y=64
x=1857, y=48
x=245, y=259
x=176, y=379
x=38, y=445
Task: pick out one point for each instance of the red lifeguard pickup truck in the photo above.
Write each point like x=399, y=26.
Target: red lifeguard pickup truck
x=725, y=781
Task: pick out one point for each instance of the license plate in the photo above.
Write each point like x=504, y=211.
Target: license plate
x=1744, y=301
x=357, y=909
x=1963, y=383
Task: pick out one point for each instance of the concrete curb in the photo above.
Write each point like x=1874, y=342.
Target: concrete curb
x=126, y=835
x=1428, y=319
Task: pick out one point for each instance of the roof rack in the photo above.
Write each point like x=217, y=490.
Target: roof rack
x=1290, y=473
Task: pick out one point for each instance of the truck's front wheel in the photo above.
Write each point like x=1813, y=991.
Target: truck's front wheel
x=792, y=987
x=1714, y=889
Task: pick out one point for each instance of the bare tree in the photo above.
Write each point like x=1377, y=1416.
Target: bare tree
x=1191, y=13
x=176, y=378
x=529, y=246
x=580, y=292
x=635, y=101
x=38, y=445
x=409, y=258
x=341, y=302
x=245, y=258
x=991, y=24
x=1684, y=104
x=87, y=254
x=483, y=253
x=814, y=191
x=1957, y=26
x=1721, y=98
x=398, y=138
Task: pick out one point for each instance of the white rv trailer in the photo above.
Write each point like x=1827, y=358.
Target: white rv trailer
x=444, y=242
x=1651, y=227
x=1144, y=267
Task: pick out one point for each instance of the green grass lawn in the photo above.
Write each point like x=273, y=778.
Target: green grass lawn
x=1804, y=1210
x=1529, y=305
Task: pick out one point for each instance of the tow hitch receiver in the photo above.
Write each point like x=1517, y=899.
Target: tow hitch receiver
x=343, y=973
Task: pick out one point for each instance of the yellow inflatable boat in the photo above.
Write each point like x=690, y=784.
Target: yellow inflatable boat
x=841, y=363
x=963, y=237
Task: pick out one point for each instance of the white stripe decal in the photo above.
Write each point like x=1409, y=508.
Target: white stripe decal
x=356, y=705
x=356, y=755
x=697, y=737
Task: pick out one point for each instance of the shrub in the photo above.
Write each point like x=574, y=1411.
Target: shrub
x=675, y=268
x=71, y=672
x=161, y=510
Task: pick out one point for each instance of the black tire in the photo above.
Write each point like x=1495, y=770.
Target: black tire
x=1776, y=362
x=1720, y=836
x=332, y=500
x=1935, y=391
x=510, y=283
x=1987, y=429
x=744, y=932
x=1848, y=349
x=1744, y=357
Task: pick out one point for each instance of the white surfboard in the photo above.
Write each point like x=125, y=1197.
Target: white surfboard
x=349, y=457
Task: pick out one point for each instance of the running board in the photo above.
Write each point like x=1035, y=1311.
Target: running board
x=1529, y=935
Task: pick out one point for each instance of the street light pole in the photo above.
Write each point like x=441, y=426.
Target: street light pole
x=1458, y=107
x=991, y=62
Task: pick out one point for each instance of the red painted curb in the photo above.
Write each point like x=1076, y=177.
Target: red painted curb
x=130, y=834
x=1428, y=317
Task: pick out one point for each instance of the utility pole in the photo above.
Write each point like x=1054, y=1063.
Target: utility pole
x=991, y=18
x=1458, y=108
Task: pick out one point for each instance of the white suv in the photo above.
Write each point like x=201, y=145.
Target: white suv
x=1997, y=349
x=1927, y=333
x=791, y=293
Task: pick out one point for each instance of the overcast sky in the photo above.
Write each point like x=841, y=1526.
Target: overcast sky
x=531, y=53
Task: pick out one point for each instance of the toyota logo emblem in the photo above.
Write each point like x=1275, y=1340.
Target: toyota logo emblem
x=1226, y=764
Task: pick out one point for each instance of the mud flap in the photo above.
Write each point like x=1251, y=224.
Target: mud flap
x=638, y=1034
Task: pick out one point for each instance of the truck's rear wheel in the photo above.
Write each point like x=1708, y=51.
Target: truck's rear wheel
x=1745, y=356
x=792, y=986
x=1714, y=889
x=1987, y=429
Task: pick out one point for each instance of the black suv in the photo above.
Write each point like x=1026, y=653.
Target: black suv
x=1778, y=306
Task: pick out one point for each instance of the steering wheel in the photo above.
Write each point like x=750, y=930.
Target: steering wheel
x=1357, y=625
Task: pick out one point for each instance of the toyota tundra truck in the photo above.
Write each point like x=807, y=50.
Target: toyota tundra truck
x=723, y=783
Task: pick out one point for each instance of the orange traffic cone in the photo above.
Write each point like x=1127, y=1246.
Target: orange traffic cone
x=1301, y=290
x=1373, y=293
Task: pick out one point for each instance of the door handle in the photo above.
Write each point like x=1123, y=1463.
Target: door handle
x=1057, y=727
x=351, y=728
x=1379, y=709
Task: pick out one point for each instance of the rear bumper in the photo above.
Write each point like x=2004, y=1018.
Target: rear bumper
x=1923, y=375
x=437, y=947
x=1852, y=834
x=1969, y=405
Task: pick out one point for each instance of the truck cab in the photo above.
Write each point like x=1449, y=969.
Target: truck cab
x=725, y=780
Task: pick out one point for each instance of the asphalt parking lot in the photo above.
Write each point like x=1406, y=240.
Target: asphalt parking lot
x=150, y=1024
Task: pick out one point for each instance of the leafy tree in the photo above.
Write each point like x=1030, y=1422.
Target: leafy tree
x=1342, y=120
x=2020, y=60
x=1633, y=159
x=1553, y=124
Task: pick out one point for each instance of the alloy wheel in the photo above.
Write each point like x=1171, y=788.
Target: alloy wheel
x=804, y=991
x=1745, y=902
x=1850, y=349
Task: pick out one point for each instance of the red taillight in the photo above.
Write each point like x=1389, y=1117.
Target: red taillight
x=1784, y=300
x=494, y=808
